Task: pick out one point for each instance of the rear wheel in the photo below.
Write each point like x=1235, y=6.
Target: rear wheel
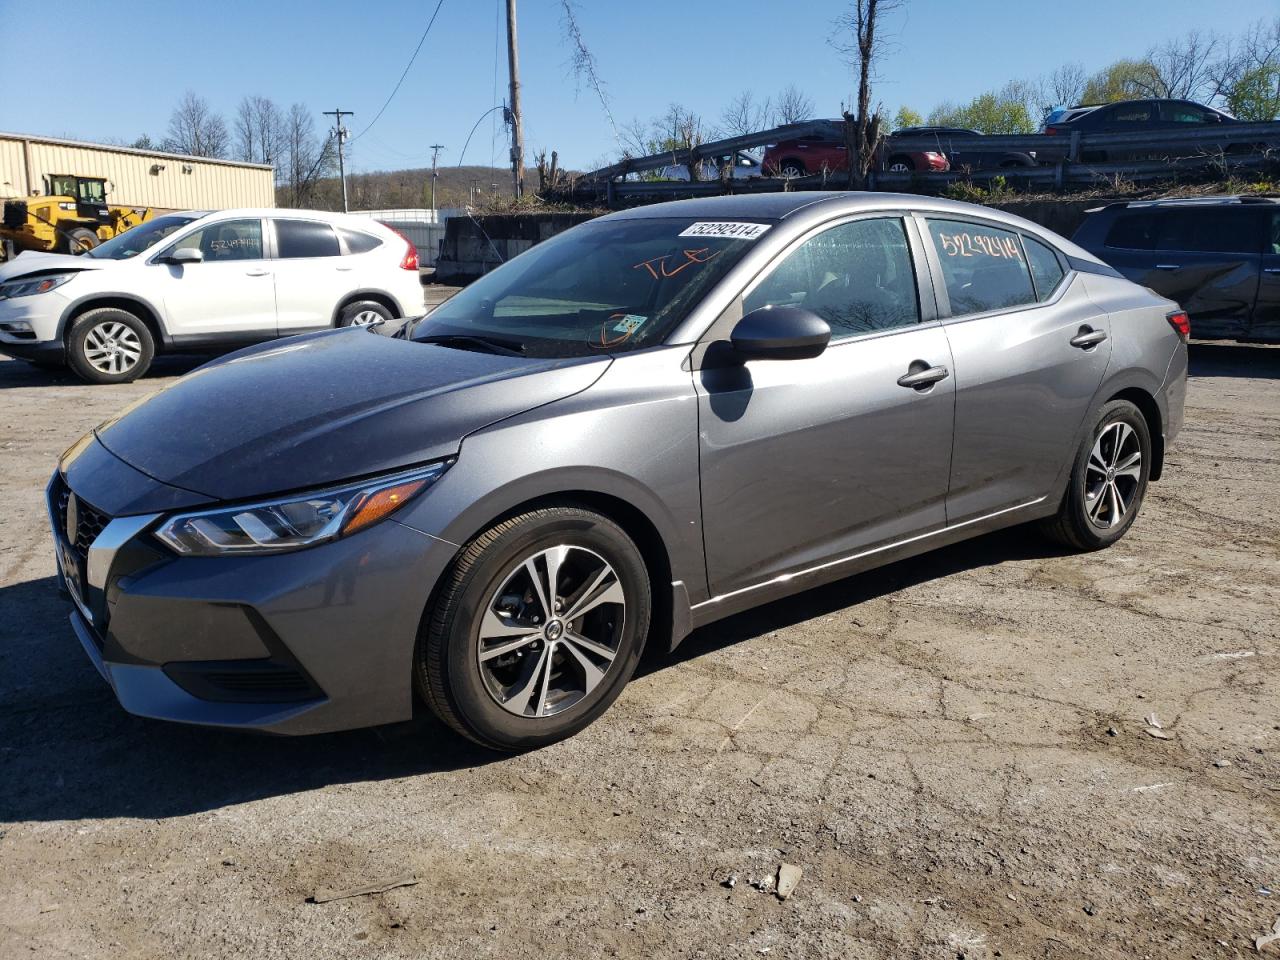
x=362, y=313
x=901, y=165
x=79, y=239
x=536, y=630
x=1108, y=480
x=109, y=345
x=792, y=169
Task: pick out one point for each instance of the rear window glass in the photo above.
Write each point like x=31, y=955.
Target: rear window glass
x=1046, y=268
x=1210, y=230
x=360, y=242
x=982, y=267
x=305, y=238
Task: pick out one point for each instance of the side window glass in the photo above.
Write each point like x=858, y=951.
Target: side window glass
x=1133, y=231
x=296, y=239
x=358, y=242
x=1186, y=113
x=857, y=276
x=1132, y=113
x=1046, y=269
x=1273, y=236
x=982, y=267
x=1224, y=230
x=227, y=240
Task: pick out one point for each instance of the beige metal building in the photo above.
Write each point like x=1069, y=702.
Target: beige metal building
x=136, y=178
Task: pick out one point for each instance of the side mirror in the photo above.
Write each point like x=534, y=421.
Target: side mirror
x=185, y=255
x=780, y=333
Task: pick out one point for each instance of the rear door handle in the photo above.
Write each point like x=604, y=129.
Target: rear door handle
x=1168, y=266
x=1087, y=339
x=256, y=273
x=344, y=269
x=921, y=379
x=1271, y=269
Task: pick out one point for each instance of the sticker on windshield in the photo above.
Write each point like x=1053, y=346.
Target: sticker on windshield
x=629, y=323
x=727, y=229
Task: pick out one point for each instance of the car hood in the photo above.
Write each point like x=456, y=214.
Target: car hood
x=322, y=408
x=30, y=261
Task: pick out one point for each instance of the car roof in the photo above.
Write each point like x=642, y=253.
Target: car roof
x=1187, y=203
x=235, y=212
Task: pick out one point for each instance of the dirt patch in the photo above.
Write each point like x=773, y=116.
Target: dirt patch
x=954, y=750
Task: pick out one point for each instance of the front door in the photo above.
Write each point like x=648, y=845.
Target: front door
x=1265, y=325
x=1030, y=352
x=227, y=293
x=805, y=462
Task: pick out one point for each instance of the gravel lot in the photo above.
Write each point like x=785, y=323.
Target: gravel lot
x=953, y=749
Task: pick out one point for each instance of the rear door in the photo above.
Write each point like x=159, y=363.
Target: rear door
x=312, y=275
x=226, y=294
x=806, y=462
x=1030, y=351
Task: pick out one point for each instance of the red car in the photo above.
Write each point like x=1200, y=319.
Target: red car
x=805, y=156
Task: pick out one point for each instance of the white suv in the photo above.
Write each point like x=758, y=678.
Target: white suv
x=196, y=281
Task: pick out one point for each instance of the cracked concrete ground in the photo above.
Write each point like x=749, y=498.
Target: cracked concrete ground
x=954, y=749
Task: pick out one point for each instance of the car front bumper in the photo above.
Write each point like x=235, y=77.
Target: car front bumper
x=311, y=641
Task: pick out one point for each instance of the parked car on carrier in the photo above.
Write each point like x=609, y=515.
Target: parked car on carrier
x=644, y=424
x=963, y=148
x=196, y=281
x=1142, y=116
x=805, y=156
x=1219, y=257
x=744, y=167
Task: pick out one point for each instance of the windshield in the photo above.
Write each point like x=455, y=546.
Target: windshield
x=142, y=237
x=603, y=287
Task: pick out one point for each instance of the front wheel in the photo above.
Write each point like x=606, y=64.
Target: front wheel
x=792, y=169
x=1108, y=480
x=901, y=165
x=107, y=345
x=536, y=629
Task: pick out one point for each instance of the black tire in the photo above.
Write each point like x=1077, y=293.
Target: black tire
x=79, y=239
x=105, y=319
x=792, y=169
x=1072, y=525
x=447, y=671
x=358, y=314
x=903, y=165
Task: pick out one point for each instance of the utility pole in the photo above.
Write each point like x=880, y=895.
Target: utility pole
x=435, y=152
x=341, y=133
x=517, y=127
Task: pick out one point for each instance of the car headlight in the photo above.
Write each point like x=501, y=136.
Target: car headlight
x=295, y=522
x=31, y=285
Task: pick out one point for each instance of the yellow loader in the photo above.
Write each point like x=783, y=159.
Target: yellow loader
x=72, y=217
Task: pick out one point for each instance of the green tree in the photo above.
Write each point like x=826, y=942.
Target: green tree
x=1255, y=95
x=992, y=112
x=1122, y=80
x=906, y=117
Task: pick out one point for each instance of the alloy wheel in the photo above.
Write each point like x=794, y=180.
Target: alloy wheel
x=366, y=317
x=1112, y=475
x=550, y=632
x=112, y=347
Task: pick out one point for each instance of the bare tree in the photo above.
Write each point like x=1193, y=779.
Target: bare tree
x=1183, y=68
x=258, y=129
x=1064, y=87
x=584, y=64
x=792, y=105
x=859, y=38
x=306, y=158
x=195, y=129
x=1247, y=74
x=745, y=114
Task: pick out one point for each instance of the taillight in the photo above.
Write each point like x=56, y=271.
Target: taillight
x=1180, y=322
x=410, y=261
x=1053, y=131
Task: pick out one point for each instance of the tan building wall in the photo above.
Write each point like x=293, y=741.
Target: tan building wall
x=135, y=178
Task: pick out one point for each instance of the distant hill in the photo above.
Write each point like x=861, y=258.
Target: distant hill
x=382, y=190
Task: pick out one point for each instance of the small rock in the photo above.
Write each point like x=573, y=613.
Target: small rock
x=1260, y=942
x=1158, y=734
x=788, y=877
x=1221, y=763
x=1112, y=732
x=729, y=882
x=1154, y=721
x=1089, y=908
x=857, y=898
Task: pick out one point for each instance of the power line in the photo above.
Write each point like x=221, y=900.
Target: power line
x=396, y=90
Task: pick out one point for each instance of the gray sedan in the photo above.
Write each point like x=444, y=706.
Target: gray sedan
x=644, y=424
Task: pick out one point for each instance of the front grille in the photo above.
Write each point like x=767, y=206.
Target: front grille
x=15, y=214
x=90, y=521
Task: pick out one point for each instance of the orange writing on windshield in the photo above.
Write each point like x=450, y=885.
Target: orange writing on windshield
x=657, y=266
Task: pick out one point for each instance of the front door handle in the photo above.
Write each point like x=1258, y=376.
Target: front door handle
x=1088, y=338
x=1168, y=266
x=1271, y=269
x=921, y=377
x=256, y=273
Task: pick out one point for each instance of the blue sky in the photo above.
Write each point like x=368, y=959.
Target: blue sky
x=650, y=52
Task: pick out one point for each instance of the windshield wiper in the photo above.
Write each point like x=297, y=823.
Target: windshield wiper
x=472, y=341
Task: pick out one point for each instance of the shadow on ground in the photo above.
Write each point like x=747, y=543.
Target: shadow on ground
x=1234, y=360
x=69, y=752
x=19, y=374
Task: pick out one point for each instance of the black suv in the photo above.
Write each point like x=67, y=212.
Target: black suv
x=1141, y=116
x=1218, y=257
